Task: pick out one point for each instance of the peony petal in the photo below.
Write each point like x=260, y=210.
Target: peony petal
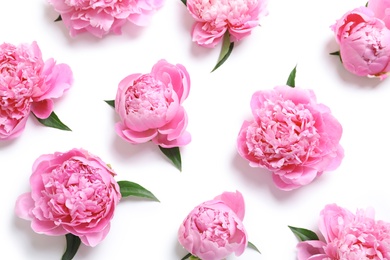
x=42, y=109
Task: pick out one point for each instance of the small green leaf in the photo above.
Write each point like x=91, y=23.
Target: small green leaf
x=291, y=77
x=251, y=245
x=53, y=121
x=128, y=188
x=304, y=234
x=173, y=154
x=337, y=53
x=110, y=102
x=59, y=18
x=186, y=256
x=226, y=50
x=367, y=4
x=184, y=2
x=72, y=245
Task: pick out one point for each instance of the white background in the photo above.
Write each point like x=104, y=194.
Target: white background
x=294, y=33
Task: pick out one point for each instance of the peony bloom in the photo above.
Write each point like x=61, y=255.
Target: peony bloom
x=101, y=17
x=364, y=43
x=150, y=106
x=27, y=83
x=348, y=236
x=381, y=9
x=72, y=192
x=291, y=135
x=213, y=230
x=214, y=18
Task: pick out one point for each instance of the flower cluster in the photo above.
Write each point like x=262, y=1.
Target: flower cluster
x=291, y=135
x=363, y=35
x=348, y=236
x=213, y=230
x=28, y=84
x=101, y=17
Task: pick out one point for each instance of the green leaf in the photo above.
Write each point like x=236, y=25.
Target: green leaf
x=227, y=48
x=59, y=18
x=251, y=245
x=367, y=4
x=184, y=2
x=186, y=256
x=173, y=154
x=53, y=121
x=304, y=234
x=291, y=77
x=72, y=245
x=128, y=188
x=337, y=53
x=110, y=102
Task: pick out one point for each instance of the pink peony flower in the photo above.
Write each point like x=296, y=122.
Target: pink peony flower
x=150, y=106
x=381, y=9
x=291, y=135
x=72, y=192
x=214, y=18
x=348, y=236
x=364, y=43
x=101, y=17
x=27, y=83
x=213, y=230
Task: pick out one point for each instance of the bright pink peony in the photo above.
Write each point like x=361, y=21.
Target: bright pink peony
x=100, y=17
x=348, y=236
x=27, y=83
x=214, y=18
x=213, y=230
x=72, y=192
x=150, y=106
x=381, y=9
x=364, y=43
x=291, y=135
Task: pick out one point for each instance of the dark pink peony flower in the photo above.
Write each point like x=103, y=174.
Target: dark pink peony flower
x=150, y=106
x=291, y=135
x=72, y=192
x=348, y=236
x=213, y=230
x=101, y=17
x=27, y=83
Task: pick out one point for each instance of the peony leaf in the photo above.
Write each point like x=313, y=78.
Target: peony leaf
x=184, y=2
x=173, y=154
x=304, y=234
x=251, y=245
x=190, y=257
x=128, y=188
x=227, y=48
x=59, y=18
x=53, y=121
x=366, y=4
x=291, y=77
x=110, y=102
x=337, y=53
x=72, y=245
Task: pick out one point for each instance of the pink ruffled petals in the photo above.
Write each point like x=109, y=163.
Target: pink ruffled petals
x=149, y=106
x=212, y=230
x=291, y=135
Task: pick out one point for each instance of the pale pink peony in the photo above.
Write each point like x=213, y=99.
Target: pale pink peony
x=364, y=43
x=348, y=236
x=214, y=229
x=150, y=106
x=100, y=17
x=291, y=135
x=72, y=192
x=214, y=18
x=381, y=9
x=27, y=83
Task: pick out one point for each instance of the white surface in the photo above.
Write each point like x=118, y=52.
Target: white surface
x=294, y=32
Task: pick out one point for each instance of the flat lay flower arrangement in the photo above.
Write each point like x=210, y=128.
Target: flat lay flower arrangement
x=168, y=156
